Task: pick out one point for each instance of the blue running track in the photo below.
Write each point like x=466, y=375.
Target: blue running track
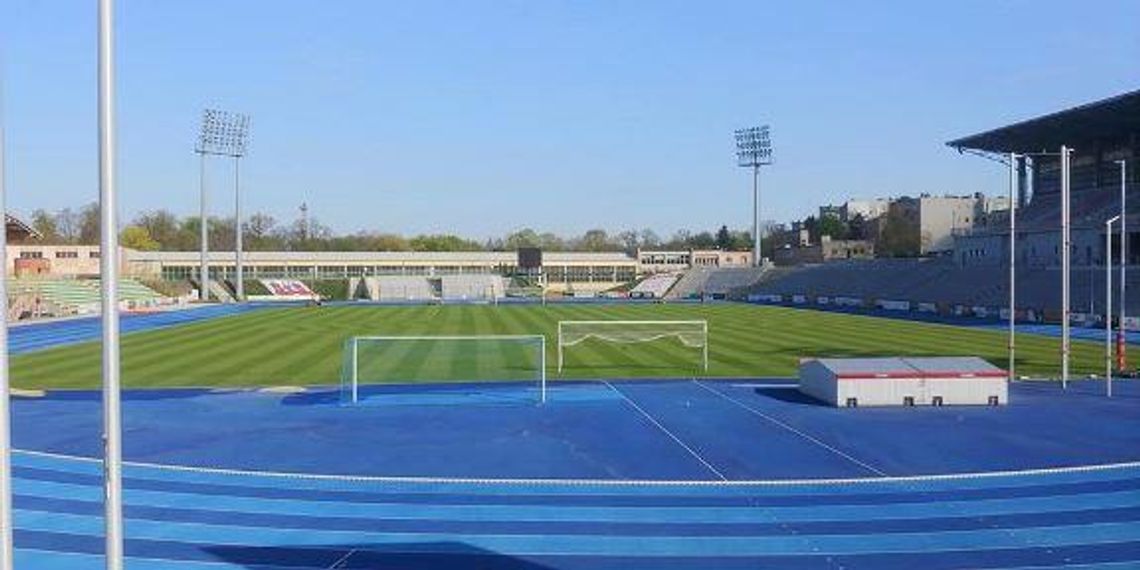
x=38, y=336
x=605, y=475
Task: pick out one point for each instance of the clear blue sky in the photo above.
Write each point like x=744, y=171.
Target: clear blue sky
x=483, y=117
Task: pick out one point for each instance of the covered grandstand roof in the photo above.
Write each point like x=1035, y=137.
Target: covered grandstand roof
x=17, y=230
x=1113, y=119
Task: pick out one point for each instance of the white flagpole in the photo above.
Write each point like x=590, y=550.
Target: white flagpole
x=6, y=552
x=1012, y=265
x=109, y=274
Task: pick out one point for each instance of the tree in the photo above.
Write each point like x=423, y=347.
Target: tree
x=723, y=238
x=551, y=242
x=649, y=238
x=443, y=242
x=741, y=241
x=703, y=240
x=680, y=240
x=899, y=236
x=89, y=226
x=67, y=225
x=596, y=240
x=629, y=240
x=163, y=227
x=45, y=225
x=857, y=227
x=525, y=237
x=831, y=226
x=137, y=237
x=259, y=233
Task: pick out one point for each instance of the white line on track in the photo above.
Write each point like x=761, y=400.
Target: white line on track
x=430, y=480
x=644, y=413
x=340, y=563
x=787, y=427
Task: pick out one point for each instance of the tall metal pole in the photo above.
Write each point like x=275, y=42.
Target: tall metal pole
x=1121, y=341
x=6, y=552
x=109, y=274
x=1108, y=304
x=240, y=275
x=1065, y=247
x=203, y=234
x=756, y=259
x=1012, y=264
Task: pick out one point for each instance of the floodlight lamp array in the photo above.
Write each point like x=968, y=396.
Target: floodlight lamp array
x=753, y=146
x=223, y=133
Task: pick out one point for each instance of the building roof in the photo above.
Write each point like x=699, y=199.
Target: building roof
x=16, y=227
x=911, y=367
x=1115, y=119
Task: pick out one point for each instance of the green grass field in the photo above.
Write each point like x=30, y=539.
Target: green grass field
x=303, y=345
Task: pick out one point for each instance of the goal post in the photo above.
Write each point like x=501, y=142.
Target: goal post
x=693, y=334
x=369, y=360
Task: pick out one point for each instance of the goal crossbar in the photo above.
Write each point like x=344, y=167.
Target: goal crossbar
x=353, y=347
x=692, y=333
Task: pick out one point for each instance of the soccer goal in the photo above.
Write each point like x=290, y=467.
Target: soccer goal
x=433, y=359
x=693, y=334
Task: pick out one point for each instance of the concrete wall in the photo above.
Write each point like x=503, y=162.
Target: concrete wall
x=940, y=216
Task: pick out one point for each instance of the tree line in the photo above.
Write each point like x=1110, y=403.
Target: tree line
x=893, y=234
x=162, y=230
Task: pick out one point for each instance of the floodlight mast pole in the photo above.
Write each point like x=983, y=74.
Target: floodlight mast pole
x=203, y=233
x=756, y=260
x=239, y=275
x=6, y=550
x=109, y=275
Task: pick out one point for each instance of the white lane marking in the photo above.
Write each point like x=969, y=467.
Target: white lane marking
x=787, y=427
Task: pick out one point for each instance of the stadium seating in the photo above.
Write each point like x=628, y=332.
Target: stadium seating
x=714, y=281
x=472, y=287
x=655, y=286
x=399, y=288
x=61, y=297
x=941, y=281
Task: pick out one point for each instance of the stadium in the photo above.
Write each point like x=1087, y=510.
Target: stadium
x=972, y=406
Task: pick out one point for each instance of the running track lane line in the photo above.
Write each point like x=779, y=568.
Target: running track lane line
x=343, y=560
x=802, y=434
x=667, y=432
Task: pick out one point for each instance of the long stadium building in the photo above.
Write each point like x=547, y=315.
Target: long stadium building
x=579, y=268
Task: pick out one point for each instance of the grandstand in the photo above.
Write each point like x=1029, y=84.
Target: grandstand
x=1101, y=134
x=464, y=287
x=655, y=286
x=62, y=297
x=942, y=282
x=716, y=282
x=397, y=288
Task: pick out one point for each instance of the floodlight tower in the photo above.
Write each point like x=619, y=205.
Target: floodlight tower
x=222, y=134
x=753, y=150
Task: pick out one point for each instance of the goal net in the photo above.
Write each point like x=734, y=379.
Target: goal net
x=692, y=334
x=371, y=360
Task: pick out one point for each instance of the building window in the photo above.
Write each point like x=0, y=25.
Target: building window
x=93, y=255
x=31, y=255
x=67, y=255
